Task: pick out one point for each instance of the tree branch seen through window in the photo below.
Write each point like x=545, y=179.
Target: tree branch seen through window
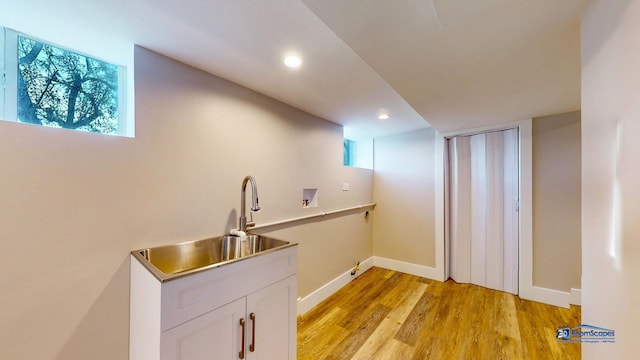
x=60, y=88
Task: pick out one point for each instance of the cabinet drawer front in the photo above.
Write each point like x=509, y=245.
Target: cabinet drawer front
x=188, y=297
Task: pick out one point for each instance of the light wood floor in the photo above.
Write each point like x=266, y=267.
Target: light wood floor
x=385, y=314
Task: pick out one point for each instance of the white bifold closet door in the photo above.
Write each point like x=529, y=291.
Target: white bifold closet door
x=483, y=209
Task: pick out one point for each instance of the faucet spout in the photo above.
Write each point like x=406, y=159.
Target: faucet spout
x=254, y=202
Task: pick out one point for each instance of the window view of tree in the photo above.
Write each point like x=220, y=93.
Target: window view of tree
x=59, y=88
x=349, y=152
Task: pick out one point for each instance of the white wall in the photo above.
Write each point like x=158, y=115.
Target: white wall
x=405, y=217
x=74, y=204
x=610, y=175
x=403, y=188
x=556, y=202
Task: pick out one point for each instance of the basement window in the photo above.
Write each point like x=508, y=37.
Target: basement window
x=44, y=84
x=349, y=152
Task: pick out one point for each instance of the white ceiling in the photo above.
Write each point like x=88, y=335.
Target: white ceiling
x=453, y=64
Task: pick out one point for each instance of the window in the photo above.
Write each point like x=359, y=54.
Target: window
x=349, y=152
x=51, y=86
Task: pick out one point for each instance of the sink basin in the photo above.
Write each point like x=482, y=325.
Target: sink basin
x=172, y=261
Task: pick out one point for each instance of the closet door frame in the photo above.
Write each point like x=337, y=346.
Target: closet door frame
x=525, y=236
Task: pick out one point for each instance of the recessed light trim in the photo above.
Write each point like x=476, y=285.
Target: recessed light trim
x=383, y=116
x=293, y=61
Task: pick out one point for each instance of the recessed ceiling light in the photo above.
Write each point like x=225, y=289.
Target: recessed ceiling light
x=383, y=116
x=293, y=61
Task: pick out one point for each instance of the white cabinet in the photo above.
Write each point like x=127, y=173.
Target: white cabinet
x=245, y=309
x=214, y=335
x=270, y=319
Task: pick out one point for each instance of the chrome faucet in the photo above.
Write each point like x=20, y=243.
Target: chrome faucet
x=243, y=224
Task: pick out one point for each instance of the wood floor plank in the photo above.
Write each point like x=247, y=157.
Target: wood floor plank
x=412, y=326
x=318, y=339
x=365, y=325
x=396, y=288
x=507, y=331
x=354, y=288
x=379, y=340
x=448, y=335
x=393, y=350
x=428, y=339
x=389, y=315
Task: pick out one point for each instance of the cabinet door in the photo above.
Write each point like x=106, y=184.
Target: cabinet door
x=273, y=320
x=214, y=335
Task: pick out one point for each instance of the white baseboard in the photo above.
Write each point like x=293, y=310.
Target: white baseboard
x=308, y=302
x=551, y=297
x=576, y=297
x=407, y=268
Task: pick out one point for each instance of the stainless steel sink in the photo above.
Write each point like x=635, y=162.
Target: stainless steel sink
x=173, y=261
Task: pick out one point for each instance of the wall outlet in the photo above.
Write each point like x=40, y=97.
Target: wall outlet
x=345, y=186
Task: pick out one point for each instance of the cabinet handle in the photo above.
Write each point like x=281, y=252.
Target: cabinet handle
x=252, y=347
x=241, y=355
